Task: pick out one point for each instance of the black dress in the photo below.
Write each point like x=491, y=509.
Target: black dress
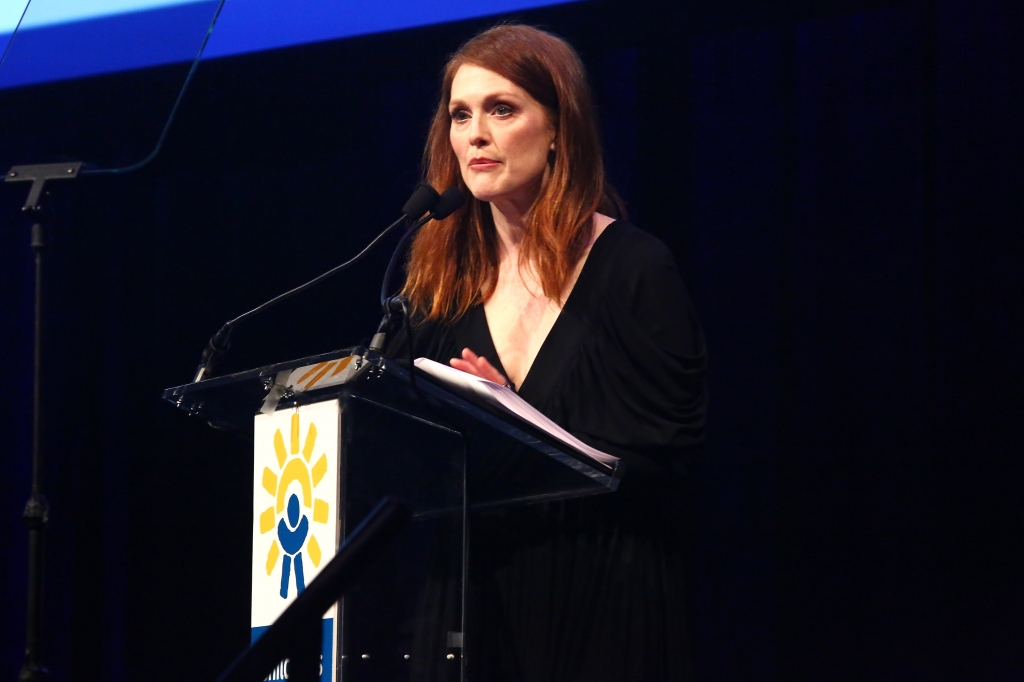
x=593, y=589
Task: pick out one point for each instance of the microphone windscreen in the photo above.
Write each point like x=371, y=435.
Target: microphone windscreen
x=423, y=198
x=450, y=200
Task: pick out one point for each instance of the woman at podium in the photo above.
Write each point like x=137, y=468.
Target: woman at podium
x=539, y=282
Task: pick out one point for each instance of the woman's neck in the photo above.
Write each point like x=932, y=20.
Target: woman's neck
x=510, y=225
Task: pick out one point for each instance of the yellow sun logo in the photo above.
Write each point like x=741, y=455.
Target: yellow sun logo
x=289, y=514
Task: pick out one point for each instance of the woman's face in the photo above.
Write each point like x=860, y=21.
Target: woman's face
x=501, y=135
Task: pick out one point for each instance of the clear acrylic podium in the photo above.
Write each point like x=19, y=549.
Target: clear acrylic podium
x=379, y=434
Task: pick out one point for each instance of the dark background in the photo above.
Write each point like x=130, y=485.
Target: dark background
x=841, y=183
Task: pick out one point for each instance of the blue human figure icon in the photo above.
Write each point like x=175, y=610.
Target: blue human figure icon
x=292, y=537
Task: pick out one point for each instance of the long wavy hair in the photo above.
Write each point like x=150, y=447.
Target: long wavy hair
x=453, y=263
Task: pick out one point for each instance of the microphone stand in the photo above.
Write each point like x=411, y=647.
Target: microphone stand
x=423, y=199
x=393, y=305
x=37, y=509
x=221, y=341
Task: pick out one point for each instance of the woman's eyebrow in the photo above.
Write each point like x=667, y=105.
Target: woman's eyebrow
x=490, y=98
x=501, y=94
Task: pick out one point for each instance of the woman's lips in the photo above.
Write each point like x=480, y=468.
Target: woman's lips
x=483, y=164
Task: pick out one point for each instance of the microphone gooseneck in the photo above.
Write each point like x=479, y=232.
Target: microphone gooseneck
x=423, y=199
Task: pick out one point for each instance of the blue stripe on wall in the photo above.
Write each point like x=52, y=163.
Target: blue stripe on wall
x=174, y=34
x=107, y=44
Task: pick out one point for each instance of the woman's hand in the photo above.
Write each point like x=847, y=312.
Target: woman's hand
x=477, y=365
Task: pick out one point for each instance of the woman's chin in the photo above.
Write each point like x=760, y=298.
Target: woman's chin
x=486, y=194
x=492, y=196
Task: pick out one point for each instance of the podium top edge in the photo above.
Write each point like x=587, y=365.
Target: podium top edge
x=605, y=474
x=258, y=372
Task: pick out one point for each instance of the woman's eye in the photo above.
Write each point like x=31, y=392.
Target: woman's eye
x=503, y=110
x=459, y=116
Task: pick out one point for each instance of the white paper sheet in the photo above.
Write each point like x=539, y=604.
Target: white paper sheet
x=509, y=400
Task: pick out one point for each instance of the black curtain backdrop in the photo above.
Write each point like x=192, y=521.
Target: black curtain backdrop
x=842, y=184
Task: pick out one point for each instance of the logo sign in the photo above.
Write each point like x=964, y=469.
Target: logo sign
x=295, y=498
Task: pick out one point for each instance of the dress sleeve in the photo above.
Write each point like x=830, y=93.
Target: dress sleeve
x=652, y=362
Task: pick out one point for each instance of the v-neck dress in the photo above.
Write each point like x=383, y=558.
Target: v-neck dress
x=593, y=589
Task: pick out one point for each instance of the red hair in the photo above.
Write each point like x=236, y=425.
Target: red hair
x=454, y=262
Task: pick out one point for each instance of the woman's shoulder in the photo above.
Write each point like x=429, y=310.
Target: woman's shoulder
x=640, y=278
x=626, y=248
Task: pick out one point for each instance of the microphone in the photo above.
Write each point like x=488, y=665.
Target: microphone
x=423, y=199
x=447, y=204
x=449, y=201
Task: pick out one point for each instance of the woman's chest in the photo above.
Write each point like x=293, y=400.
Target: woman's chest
x=520, y=318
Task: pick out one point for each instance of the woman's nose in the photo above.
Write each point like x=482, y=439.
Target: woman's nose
x=479, y=135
